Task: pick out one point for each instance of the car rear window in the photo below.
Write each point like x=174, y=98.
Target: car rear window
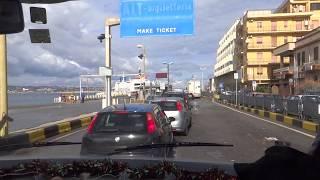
x=173, y=95
x=167, y=105
x=121, y=122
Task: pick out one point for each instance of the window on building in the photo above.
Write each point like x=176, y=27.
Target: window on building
x=299, y=25
x=303, y=58
x=259, y=24
x=299, y=59
x=259, y=56
x=274, y=59
x=285, y=24
x=314, y=24
x=314, y=6
x=274, y=41
x=259, y=40
x=285, y=39
x=274, y=26
x=316, y=53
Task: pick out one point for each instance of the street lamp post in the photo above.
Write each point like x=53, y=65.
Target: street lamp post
x=110, y=22
x=144, y=59
x=202, y=69
x=168, y=71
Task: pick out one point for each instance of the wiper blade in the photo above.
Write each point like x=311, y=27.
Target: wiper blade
x=38, y=144
x=176, y=144
x=108, y=130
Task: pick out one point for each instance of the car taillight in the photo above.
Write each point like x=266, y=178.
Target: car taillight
x=151, y=124
x=91, y=125
x=179, y=106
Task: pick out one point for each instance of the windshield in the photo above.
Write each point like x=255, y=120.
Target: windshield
x=251, y=70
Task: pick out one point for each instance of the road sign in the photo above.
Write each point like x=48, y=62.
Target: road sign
x=156, y=17
x=161, y=75
x=236, y=76
x=254, y=85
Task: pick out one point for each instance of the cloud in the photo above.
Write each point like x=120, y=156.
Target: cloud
x=74, y=27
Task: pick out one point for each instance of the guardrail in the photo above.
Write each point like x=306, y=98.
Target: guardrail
x=302, y=107
x=251, y=107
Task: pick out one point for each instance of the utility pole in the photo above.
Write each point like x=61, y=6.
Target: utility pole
x=168, y=71
x=3, y=87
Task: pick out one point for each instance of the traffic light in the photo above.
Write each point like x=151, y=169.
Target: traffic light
x=141, y=56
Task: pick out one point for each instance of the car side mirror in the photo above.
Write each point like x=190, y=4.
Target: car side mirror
x=11, y=17
x=171, y=119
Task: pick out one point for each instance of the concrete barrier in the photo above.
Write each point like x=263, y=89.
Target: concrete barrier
x=45, y=131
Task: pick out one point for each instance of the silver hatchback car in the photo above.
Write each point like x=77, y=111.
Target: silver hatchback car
x=175, y=107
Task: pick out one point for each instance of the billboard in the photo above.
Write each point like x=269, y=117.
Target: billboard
x=156, y=18
x=161, y=75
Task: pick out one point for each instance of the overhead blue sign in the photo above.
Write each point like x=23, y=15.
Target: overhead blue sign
x=156, y=17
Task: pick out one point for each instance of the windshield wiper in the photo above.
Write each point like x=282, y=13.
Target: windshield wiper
x=38, y=144
x=176, y=144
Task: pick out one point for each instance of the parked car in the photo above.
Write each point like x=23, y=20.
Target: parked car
x=124, y=125
x=175, y=107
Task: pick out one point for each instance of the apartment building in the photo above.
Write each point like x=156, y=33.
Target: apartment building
x=302, y=74
x=226, y=59
x=264, y=30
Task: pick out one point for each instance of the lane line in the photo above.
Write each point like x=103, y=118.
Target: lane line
x=66, y=135
x=270, y=122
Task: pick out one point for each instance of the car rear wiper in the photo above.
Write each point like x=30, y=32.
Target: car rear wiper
x=108, y=130
x=176, y=144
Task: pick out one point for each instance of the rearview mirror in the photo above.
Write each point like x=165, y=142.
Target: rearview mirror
x=11, y=17
x=171, y=119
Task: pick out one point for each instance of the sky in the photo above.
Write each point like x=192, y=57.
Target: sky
x=75, y=49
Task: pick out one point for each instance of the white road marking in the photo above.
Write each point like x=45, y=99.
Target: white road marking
x=270, y=122
x=69, y=134
x=271, y=139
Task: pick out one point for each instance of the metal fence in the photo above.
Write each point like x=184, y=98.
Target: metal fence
x=305, y=107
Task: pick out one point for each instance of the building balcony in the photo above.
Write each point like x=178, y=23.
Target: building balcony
x=261, y=46
x=282, y=73
x=271, y=30
x=312, y=66
x=258, y=62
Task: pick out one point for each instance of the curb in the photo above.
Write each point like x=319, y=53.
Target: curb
x=44, y=132
x=287, y=120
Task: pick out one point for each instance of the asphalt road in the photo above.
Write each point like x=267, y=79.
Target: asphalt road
x=28, y=117
x=211, y=123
